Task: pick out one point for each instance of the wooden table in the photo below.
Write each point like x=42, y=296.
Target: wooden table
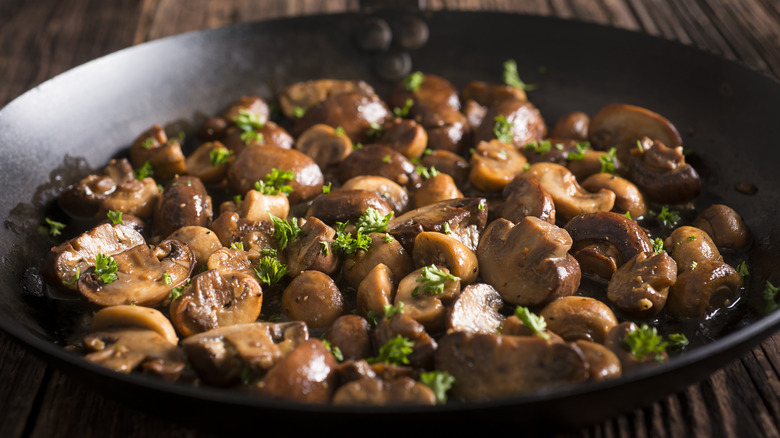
x=42, y=38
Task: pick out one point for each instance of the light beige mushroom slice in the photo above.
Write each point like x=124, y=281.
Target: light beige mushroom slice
x=393, y=193
x=209, y=162
x=628, y=198
x=127, y=316
x=569, y=196
x=427, y=308
x=257, y=206
x=67, y=261
x=324, y=144
x=201, y=240
x=620, y=126
x=494, y=164
x=434, y=248
x=476, y=310
x=220, y=356
x=228, y=260
x=577, y=317
x=144, y=276
x=129, y=349
x=212, y=300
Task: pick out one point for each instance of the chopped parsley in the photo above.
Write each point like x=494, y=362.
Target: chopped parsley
x=658, y=245
x=414, y=81
x=73, y=280
x=742, y=270
x=145, y=171
x=55, y=228
x=386, y=159
x=432, y=280
x=677, y=341
x=167, y=278
x=388, y=238
x=348, y=243
x=391, y=311
x=533, y=321
x=324, y=248
x=270, y=270
x=502, y=129
x=276, y=182
x=339, y=130
x=219, y=156
x=375, y=130
x=285, y=231
x=579, y=152
x=644, y=341
x=403, y=112
x=439, y=381
x=326, y=188
x=105, y=268
x=446, y=228
x=372, y=222
x=147, y=143
x=426, y=172
x=115, y=217
x=512, y=78
x=299, y=112
x=268, y=252
x=250, y=124
x=334, y=350
x=540, y=147
x=237, y=245
x=394, y=352
x=771, y=296
x=608, y=161
x=175, y=293
x=668, y=218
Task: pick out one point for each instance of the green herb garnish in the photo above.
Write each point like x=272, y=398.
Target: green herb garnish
x=414, y=81
x=371, y=221
x=439, y=381
x=403, y=112
x=270, y=270
x=55, y=228
x=541, y=147
x=276, y=182
x=250, y=125
x=432, y=280
x=145, y=171
x=285, y=231
x=105, y=268
x=219, y=156
x=677, y=341
x=512, y=78
x=533, y=321
x=334, y=350
x=771, y=296
x=503, y=129
x=348, y=243
x=115, y=217
x=426, y=172
x=644, y=341
x=608, y=161
x=394, y=352
x=658, y=245
x=299, y=112
x=579, y=152
x=668, y=218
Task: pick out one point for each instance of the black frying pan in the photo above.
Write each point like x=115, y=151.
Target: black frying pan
x=59, y=131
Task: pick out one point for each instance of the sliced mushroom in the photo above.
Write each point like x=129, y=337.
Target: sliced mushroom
x=254, y=163
x=603, y=363
x=620, y=126
x=429, y=309
x=514, y=326
x=135, y=197
x=700, y=291
x=184, y=201
x=576, y=317
x=725, y=226
x=569, y=196
x=628, y=198
x=357, y=113
x=301, y=96
x=592, y=162
x=448, y=162
x=127, y=316
x=662, y=173
x=603, y=241
x=306, y=375
x=312, y=250
x=434, y=248
x=489, y=366
x=356, y=266
x=209, y=162
x=128, y=349
x=689, y=246
x=528, y=263
x=439, y=187
x=640, y=286
x=401, y=324
x=231, y=228
x=351, y=334
x=201, y=240
x=67, y=261
x=379, y=160
x=405, y=136
x=230, y=260
x=465, y=218
x=376, y=291
x=523, y=197
x=403, y=391
x=221, y=356
x=84, y=198
x=145, y=275
x=165, y=155
x=392, y=192
x=212, y=300
x=573, y=126
x=258, y=206
x=314, y=298
x=476, y=310
x=494, y=164
x=346, y=205
x=523, y=118
x=326, y=146
x=238, y=138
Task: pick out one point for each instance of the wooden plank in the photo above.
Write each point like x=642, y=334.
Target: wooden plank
x=21, y=376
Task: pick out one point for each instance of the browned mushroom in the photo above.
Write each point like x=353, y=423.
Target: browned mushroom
x=489, y=366
x=428, y=306
x=312, y=249
x=258, y=206
x=154, y=147
x=434, y=248
x=522, y=120
x=628, y=198
x=476, y=310
x=603, y=241
x=591, y=162
x=313, y=297
x=525, y=197
x=184, y=201
x=296, y=99
x=231, y=228
x=212, y=300
x=640, y=286
x=201, y=240
x=402, y=391
x=144, y=276
x=351, y=334
x=401, y=324
x=324, y=144
x=487, y=94
x=617, y=342
x=306, y=375
x=254, y=105
x=703, y=289
x=494, y=164
x=569, y=196
x=725, y=226
x=135, y=197
x=356, y=266
x=393, y=193
x=376, y=291
x=435, y=188
x=209, y=162
x=346, y=205
x=361, y=116
x=447, y=162
x=83, y=198
x=603, y=363
x=405, y=136
x=528, y=263
x=238, y=138
x=573, y=126
x=578, y=317
x=689, y=245
x=379, y=160
x=662, y=174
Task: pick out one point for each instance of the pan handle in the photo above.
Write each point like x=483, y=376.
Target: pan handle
x=370, y=6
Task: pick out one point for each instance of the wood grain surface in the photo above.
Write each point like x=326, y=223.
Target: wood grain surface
x=42, y=38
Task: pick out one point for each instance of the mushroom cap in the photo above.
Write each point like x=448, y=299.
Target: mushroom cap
x=699, y=292
x=127, y=316
x=641, y=285
x=578, y=317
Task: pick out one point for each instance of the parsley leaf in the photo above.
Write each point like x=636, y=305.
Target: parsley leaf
x=145, y=171
x=771, y=296
x=249, y=123
x=533, y=321
x=668, y=218
x=512, y=78
x=426, y=172
x=299, y=112
x=105, y=268
x=742, y=270
x=677, y=341
x=608, y=161
x=394, y=352
x=503, y=129
x=349, y=243
x=391, y=311
x=439, y=381
x=432, y=280
x=276, y=182
x=219, y=156
x=644, y=341
x=334, y=350
x=55, y=228
x=270, y=270
x=414, y=81
x=372, y=222
x=115, y=217
x=403, y=112
x=579, y=153
x=285, y=231
x=658, y=245
x=540, y=147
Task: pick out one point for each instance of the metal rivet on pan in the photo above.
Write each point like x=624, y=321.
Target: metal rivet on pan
x=373, y=34
x=410, y=32
x=393, y=66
